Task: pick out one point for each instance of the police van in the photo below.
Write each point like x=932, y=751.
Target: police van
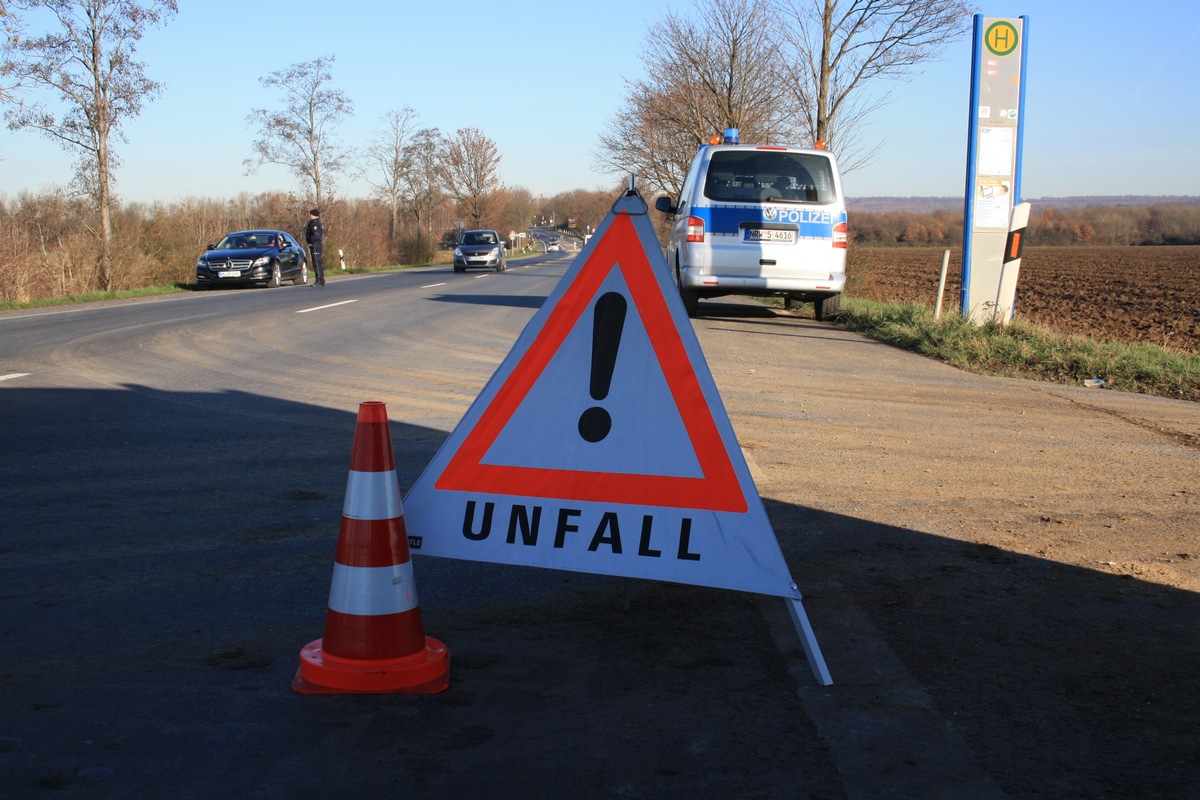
x=760, y=221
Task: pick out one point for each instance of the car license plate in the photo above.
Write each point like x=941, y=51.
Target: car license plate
x=228, y=274
x=769, y=235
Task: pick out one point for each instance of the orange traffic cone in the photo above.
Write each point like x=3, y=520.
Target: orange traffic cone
x=374, y=641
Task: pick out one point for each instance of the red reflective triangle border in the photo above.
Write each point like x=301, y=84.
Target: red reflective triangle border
x=717, y=490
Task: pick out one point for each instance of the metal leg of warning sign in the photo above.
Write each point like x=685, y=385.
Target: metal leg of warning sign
x=812, y=651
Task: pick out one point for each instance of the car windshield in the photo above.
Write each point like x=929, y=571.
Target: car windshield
x=248, y=241
x=479, y=237
x=769, y=175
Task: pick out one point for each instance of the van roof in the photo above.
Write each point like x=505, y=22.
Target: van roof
x=782, y=148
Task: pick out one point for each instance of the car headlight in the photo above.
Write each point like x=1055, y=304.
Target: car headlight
x=458, y=252
x=262, y=261
x=201, y=264
x=495, y=252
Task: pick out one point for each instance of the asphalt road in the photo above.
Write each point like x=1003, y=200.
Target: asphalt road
x=172, y=482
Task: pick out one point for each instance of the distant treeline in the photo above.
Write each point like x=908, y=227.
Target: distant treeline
x=1159, y=224
x=915, y=204
x=49, y=247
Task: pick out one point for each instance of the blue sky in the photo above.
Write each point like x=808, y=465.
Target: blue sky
x=1111, y=103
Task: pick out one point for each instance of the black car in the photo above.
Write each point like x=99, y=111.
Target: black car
x=480, y=249
x=245, y=257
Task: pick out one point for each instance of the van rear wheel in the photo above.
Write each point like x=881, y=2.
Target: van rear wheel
x=827, y=307
x=691, y=301
x=690, y=297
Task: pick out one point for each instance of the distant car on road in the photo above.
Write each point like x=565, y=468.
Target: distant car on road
x=253, y=257
x=480, y=249
x=553, y=246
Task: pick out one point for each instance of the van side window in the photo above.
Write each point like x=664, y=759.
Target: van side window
x=686, y=192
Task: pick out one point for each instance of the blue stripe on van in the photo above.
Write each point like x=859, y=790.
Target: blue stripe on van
x=815, y=223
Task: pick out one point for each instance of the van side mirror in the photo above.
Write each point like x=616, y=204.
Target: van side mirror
x=665, y=205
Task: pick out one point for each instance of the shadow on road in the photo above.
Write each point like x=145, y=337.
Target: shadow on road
x=715, y=309
x=515, y=301
x=167, y=554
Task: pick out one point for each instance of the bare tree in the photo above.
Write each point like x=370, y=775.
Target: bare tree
x=388, y=158
x=834, y=48
x=422, y=184
x=799, y=80
x=86, y=63
x=519, y=209
x=637, y=143
x=470, y=169
x=301, y=134
x=715, y=71
x=13, y=26
x=724, y=76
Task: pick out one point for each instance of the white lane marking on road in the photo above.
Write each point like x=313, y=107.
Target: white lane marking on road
x=12, y=375
x=319, y=308
x=433, y=285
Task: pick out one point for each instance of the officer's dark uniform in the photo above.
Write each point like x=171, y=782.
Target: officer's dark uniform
x=314, y=234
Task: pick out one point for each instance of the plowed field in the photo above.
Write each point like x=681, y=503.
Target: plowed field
x=1149, y=295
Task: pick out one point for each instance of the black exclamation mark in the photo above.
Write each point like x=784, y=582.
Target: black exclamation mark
x=607, y=323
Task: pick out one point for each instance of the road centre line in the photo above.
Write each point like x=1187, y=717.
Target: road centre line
x=433, y=285
x=319, y=308
x=12, y=375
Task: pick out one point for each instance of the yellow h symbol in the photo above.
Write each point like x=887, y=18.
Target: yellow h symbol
x=1001, y=38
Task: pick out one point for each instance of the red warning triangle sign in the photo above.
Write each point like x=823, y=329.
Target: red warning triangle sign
x=601, y=443
x=716, y=488
x=656, y=489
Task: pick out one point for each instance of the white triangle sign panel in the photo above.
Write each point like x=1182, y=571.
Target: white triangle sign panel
x=601, y=444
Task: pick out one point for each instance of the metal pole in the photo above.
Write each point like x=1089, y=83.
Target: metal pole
x=996, y=316
x=937, y=311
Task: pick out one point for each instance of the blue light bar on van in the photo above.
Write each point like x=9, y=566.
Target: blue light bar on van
x=731, y=136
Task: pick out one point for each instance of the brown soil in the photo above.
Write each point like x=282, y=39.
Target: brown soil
x=1148, y=295
x=1017, y=560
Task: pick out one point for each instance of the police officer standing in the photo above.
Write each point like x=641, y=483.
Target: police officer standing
x=314, y=234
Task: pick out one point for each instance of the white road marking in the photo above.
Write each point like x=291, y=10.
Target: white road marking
x=319, y=308
x=433, y=285
x=12, y=375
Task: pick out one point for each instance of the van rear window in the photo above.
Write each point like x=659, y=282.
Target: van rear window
x=762, y=175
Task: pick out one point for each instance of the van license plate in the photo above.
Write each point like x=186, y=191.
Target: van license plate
x=769, y=235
